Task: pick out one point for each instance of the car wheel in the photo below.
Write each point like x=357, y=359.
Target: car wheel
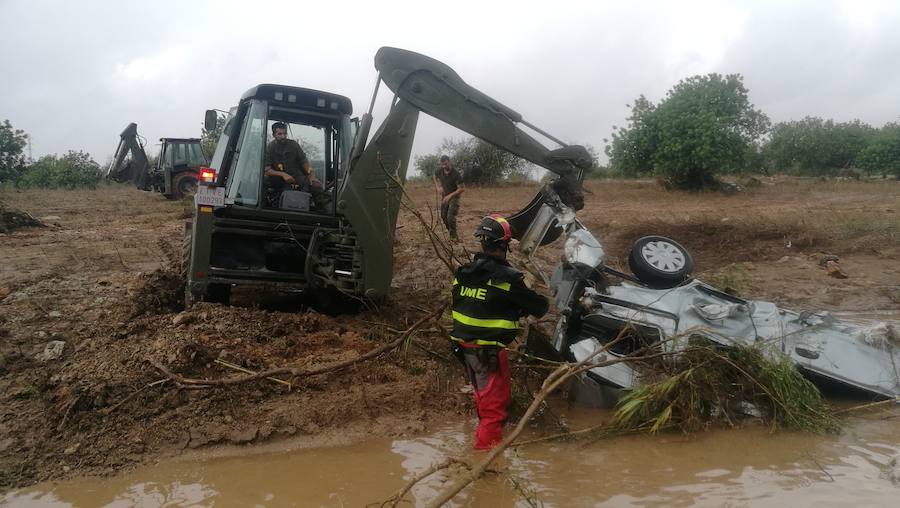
x=660, y=262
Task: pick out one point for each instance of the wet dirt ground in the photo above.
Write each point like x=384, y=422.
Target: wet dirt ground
x=95, y=279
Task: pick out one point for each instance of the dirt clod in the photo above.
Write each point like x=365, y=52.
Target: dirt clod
x=53, y=350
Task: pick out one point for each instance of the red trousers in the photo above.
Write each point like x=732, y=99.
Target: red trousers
x=492, y=396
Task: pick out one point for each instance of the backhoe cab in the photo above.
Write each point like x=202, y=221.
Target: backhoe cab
x=176, y=170
x=245, y=232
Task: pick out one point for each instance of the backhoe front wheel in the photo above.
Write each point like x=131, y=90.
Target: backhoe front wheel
x=218, y=293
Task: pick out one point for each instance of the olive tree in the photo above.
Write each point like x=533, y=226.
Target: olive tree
x=479, y=161
x=12, y=145
x=883, y=154
x=816, y=146
x=704, y=126
x=209, y=138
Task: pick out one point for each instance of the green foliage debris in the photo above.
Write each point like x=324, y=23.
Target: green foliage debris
x=709, y=386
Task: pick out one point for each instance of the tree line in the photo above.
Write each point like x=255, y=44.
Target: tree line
x=72, y=170
x=703, y=128
x=706, y=126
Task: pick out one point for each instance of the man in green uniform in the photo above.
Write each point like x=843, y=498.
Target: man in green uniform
x=288, y=168
x=448, y=183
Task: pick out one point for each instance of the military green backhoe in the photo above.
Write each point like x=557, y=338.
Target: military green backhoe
x=246, y=233
x=175, y=173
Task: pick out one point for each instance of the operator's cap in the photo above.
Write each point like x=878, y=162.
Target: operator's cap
x=494, y=227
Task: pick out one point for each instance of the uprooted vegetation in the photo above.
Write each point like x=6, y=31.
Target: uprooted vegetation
x=12, y=219
x=707, y=385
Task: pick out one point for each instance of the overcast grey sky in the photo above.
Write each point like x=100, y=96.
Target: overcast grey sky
x=74, y=74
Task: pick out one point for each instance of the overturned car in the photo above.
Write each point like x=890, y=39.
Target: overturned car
x=660, y=308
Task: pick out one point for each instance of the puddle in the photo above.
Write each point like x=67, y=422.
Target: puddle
x=747, y=467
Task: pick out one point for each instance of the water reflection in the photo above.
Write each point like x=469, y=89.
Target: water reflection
x=747, y=467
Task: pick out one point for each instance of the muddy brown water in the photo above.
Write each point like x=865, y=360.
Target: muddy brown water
x=745, y=467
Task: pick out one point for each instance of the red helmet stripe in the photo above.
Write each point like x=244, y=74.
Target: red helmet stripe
x=507, y=231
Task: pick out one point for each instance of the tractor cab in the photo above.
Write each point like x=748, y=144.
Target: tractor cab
x=258, y=233
x=318, y=121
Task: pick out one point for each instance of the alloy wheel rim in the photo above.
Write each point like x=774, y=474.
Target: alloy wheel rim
x=663, y=256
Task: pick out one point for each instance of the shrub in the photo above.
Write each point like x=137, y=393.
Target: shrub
x=72, y=170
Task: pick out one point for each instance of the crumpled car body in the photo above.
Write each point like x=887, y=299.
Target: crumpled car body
x=861, y=355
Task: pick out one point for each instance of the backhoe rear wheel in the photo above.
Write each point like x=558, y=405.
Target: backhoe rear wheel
x=184, y=185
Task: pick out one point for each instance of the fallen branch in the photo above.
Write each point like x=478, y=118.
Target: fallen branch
x=397, y=498
x=442, y=249
x=197, y=384
x=561, y=435
x=65, y=417
x=248, y=371
x=133, y=394
x=869, y=406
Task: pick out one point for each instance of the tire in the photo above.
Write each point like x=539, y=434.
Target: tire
x=218, y=293
x=660, y=262
x=332, y=302
x=184, y=185
x=189, y=297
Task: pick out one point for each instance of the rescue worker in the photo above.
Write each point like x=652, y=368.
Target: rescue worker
x=489, y=297
x=449, y=185
x=288, y=167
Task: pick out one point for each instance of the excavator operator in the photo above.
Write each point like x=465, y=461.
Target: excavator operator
x=489, y=296
x=287, y=167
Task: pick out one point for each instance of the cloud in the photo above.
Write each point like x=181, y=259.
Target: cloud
x=168, y=61
x=569, y=66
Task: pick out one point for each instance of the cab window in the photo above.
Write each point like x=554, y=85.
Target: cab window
x=244, y=178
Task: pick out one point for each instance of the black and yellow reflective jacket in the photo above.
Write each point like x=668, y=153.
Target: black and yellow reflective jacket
x=489, y=297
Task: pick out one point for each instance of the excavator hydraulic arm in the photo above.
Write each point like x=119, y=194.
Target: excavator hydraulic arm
x=436, y=89
x=370, y=197
x=135, y=171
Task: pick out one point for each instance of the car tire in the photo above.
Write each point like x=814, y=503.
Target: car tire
x=660, y=262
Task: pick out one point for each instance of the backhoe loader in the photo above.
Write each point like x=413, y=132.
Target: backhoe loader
x=175, y=173
x=243, y=234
